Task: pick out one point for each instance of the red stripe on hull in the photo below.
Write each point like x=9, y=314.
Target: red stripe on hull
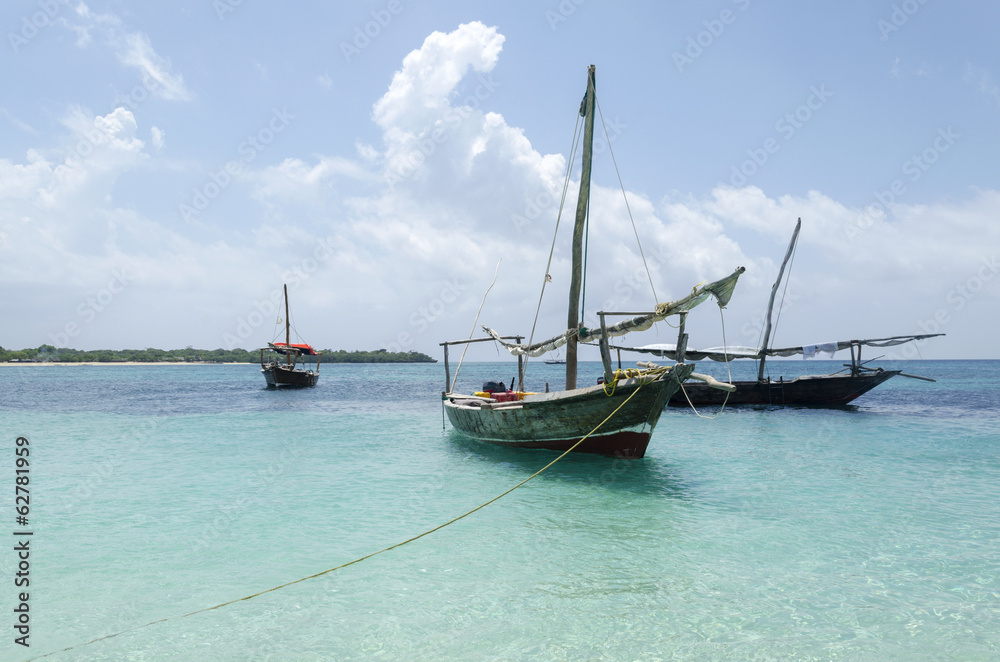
x=619, y=421
x=625, y=444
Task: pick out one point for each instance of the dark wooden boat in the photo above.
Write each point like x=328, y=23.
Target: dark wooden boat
x=278, y=373
x=555, y=360
x=815, y=390
x=624, y=409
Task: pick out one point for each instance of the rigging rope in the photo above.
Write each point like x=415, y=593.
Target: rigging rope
x=279, y=327
x=627, y=373
x=451, y=387
x=555, y=234
x=725, y=349
x=781, y=306
x=625, y=197
x=358, y=560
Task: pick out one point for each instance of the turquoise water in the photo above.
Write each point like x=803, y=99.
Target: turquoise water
x=864, y=533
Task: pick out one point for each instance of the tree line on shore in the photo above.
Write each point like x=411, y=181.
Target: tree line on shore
x=49, y=353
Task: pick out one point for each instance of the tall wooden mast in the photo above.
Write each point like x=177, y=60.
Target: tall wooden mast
x=288, y=331
x=582, y=205
x=770, y=303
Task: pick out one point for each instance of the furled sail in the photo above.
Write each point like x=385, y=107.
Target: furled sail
x=721, y=289
x=739, y=352
x=809, y=351
x=669, y=350
x=296, y=348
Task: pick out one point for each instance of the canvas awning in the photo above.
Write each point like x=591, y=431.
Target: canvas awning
x=721, y=289
x=740, y=352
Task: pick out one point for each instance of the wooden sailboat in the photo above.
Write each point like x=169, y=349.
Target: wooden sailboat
x=555, y=360
x=287, y=373
x=818, y=390
x=619, y=415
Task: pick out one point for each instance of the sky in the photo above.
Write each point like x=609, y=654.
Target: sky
x=166, y=167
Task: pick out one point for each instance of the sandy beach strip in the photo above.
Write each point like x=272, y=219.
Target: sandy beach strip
x=71, y=363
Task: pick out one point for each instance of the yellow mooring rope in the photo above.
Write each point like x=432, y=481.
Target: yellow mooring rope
x=359, y=560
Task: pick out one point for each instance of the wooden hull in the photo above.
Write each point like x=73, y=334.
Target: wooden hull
x=278, y=375
x=556, y=421
x=814, y=390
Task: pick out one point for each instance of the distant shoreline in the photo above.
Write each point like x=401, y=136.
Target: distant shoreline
x=68, y=363
x=50, y=355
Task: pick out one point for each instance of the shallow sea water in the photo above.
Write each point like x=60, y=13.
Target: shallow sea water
x=869, y=532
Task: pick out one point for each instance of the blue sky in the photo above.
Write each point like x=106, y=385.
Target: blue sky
x=165, y=167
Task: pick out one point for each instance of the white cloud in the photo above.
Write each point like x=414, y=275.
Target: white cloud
x=404, y=236
x=857, y=274
x=138, y=52
x=156, y=135
x=421, y=90
x=133, y=49
x=983, y=81
x=294, y=178
x=55, y=207
x=460, y=189
x=63, y=238
x=23, y=126
x=367, y=153
x=261, y=70
x=464, y=189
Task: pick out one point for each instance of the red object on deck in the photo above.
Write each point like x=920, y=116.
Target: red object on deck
x=302, y=347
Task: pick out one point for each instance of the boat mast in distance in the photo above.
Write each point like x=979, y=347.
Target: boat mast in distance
x=287, y=374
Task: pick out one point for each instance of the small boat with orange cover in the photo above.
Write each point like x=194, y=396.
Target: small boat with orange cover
x=288, y=373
